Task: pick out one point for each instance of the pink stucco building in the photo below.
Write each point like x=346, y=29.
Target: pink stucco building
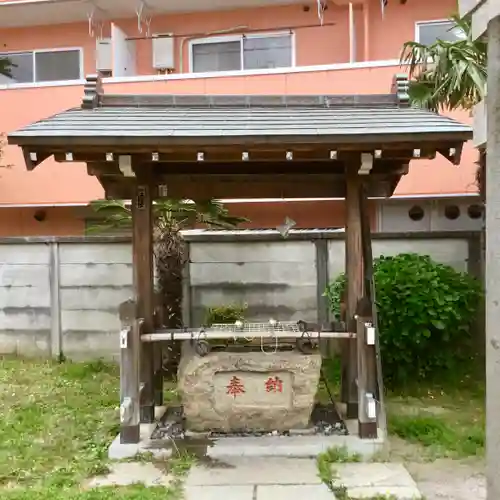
x=215, y=47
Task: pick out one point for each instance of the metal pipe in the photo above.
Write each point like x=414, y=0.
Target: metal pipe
x=221, y=335
x=252, y=31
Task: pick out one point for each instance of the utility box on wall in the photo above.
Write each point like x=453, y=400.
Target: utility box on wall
x=163, y=52
x=104, y=55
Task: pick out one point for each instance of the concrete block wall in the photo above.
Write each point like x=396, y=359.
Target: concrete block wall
x=453, y=252
x=94, y=280
x=25, y=299
x=61, y=296
x=275, y=279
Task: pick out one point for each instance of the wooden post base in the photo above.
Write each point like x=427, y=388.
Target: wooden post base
x=352, y=411
x=367, y=430
x=129, y=434
x=158, y=388
x=147, y=413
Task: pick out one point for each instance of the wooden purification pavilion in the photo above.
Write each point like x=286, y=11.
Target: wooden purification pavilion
x=142, y=147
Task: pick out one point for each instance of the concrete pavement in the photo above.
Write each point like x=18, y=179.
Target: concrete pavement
x=269, y=478
x=249, y=478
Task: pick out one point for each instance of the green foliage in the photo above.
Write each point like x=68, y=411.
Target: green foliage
x=328, y=474
x=225, y=314
x=425, y=312
x=447, y=75
x=434, y=432
x=5, y=66
x=339, y=455
x=58, y=420
x=170, y=215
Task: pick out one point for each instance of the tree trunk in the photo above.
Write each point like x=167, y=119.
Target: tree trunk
x=170, y=260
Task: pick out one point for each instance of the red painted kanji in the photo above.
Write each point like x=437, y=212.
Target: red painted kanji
x=274, y=384
x=235, y=387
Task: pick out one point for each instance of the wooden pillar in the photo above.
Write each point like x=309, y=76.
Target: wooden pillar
x=142, y=242
x=322, y=304
x=367, y=381
x=354, y=275
x=129, y=373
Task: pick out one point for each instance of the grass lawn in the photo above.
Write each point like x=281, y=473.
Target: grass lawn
x=430, y=422
x=444, y=422
x=57, y=423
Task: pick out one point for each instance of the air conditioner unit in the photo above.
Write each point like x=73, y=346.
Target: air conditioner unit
x=163, y=51
x=104, y=58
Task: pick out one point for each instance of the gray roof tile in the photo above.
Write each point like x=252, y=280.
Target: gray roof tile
x=186, y=120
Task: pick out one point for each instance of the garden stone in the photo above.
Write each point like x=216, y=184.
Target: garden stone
x=248, y=392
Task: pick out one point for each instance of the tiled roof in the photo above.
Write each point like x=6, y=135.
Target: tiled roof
x=194, y=121
x=335, y=118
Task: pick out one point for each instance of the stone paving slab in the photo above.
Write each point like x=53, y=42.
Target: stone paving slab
x=249, y=471
x=220, y=493
x=294, y=492
x=366, y=480
x=291, y=446
x=128, y=473
x=119, y=451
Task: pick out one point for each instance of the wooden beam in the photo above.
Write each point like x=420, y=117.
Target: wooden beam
x=142, y=244
x=263, y=168
x=354, y=275
x=202, y=187
x=126, y=144
x=239, y=155
x=266, y=186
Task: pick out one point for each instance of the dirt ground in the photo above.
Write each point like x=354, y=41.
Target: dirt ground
x=439, y=478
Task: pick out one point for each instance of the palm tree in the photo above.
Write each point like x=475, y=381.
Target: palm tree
x=449, y=75
x=5, y=66
x=452, y=75
x=170, y=217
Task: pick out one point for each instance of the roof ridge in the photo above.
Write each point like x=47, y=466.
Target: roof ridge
x=95, y=97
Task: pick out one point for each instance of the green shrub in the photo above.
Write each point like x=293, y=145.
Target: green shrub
x=225, y=314
x=425, y=313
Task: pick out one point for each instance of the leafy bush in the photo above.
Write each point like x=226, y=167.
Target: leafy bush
x=225, y=314
x=425, y=312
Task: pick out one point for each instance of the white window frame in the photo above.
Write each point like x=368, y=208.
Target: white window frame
x=239, y=38
x=39, y=51
x=418, y=24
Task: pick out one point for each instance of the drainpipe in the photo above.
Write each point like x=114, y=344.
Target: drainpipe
x=352, y=34
x=366, y=30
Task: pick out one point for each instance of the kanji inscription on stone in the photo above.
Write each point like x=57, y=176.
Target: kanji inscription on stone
x=274, y=384
x=235, y=387
x=252, y=389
